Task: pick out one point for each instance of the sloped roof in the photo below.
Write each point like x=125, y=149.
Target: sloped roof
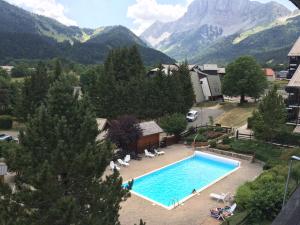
x=295, y=81
x=101, y=122
x=297, y=129
x=149, y=128
x=210, y=67
x=269, y=72
x=222, y=70
x=295, y=51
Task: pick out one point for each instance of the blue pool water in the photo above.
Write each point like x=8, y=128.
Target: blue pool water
x=177, y=181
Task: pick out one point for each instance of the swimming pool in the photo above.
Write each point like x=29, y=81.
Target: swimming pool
x=175, y=183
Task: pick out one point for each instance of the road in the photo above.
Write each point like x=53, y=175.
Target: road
x=204, y=114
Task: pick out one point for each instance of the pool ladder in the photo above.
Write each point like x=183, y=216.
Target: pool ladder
x=175, y=202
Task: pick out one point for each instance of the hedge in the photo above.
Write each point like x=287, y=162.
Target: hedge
x=6, y=122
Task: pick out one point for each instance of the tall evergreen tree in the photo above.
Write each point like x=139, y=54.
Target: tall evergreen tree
x=60, y=167
x=33, y=92
x=270, y=117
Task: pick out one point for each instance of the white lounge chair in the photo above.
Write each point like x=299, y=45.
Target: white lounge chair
x=220, y=197
x=159, y=152
x=148, y=154
x=127, y=158
x=113, y=166
x=122, y=163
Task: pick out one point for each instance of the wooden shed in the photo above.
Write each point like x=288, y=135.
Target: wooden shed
x=151, y=136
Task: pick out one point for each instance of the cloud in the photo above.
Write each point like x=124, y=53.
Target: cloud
x=49, y=8
x=145, y=12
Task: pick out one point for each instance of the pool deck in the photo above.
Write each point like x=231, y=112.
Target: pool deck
x=194, y=211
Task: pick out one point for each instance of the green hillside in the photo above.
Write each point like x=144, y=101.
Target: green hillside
x=24, y=35
x=269, y=45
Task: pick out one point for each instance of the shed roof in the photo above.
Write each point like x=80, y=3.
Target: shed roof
x=149, y=128
x=295, y=51
x=295, y=81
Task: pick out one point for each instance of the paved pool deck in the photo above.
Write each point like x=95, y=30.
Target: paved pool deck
x=194, y=211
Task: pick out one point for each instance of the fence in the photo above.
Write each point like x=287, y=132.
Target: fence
x=241, y=136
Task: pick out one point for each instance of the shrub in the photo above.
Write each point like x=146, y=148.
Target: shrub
x=173, y=124
x=263, y=197
x=224, y=147
x=219, y=129
x=213, y=144
x=212, y=134
x=6, y=122
x=226, y=141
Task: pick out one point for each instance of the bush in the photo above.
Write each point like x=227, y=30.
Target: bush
x=213, y=144
x=224, y=147
x=226, y=141
x=6, y=122
x=263, y=197
x=173, y=124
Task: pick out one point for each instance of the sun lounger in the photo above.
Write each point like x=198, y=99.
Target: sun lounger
x=159, y=152
x=113, y=166
x=148, y=154
x=220, y=197
x=127, y=158
x=122, y=163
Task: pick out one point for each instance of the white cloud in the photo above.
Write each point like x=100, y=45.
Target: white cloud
x=49, y=8
x=146, y=12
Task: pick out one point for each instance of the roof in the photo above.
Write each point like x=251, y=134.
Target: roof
x=210, y=67
x=269, y=72
x=150, y=128
x=297, y=129
x=222, y=70
x=290, y=215
x=295, y=51
x=295, y=81
x=101, y=123
x=7, y=68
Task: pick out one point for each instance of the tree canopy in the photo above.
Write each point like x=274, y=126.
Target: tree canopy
x=270, y=117
x=122, y=87
x=60, y=167
x=244, y=77
x=173, y=124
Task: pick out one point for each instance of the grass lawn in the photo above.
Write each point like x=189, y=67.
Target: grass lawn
x=235, y=115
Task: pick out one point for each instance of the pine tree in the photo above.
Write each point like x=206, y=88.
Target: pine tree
x=270, y=117
x=60, y=167
x=33, y=92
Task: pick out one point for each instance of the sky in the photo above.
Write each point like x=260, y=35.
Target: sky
x=134, y=14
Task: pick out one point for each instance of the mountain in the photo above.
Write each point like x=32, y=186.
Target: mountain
x=24, y=35
x=207, y=21
x=269, y=44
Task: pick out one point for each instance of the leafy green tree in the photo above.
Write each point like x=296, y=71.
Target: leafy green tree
x=173, y=124
x=270, y=117
x=244, y=77
x=60, y=167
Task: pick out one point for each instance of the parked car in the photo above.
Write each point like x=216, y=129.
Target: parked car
x=5, y=137
x=192, y=115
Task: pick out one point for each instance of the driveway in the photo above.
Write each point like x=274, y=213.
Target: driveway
x=204, y=114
